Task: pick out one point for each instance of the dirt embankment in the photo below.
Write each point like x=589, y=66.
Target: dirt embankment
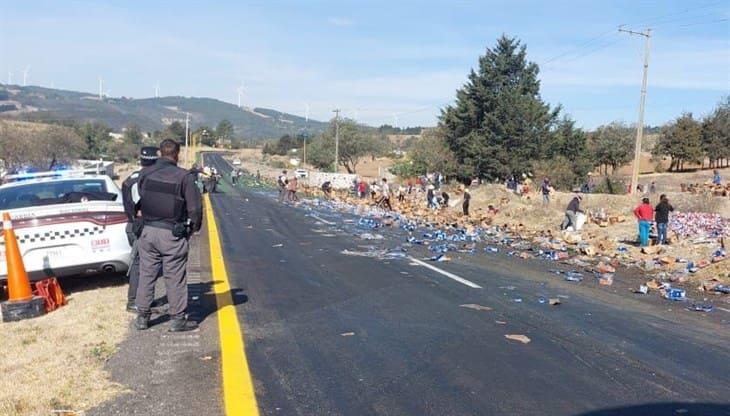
x=611, y=240
x=527, y=217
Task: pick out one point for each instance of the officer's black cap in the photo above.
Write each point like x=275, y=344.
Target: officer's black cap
x=148, y=155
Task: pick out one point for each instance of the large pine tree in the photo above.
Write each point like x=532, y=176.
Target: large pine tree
x=499, y=125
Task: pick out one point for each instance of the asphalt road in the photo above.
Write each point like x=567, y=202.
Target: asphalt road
x=335, y=334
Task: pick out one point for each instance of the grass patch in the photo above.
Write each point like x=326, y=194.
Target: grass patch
x=56, y=362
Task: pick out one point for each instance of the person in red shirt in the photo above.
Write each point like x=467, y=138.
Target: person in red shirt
x=645, y=215
x=361, y=189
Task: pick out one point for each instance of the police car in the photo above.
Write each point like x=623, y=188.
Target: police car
x=66, y=223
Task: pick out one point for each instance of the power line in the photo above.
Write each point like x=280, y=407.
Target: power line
x=705, y=23
x=596, y=49
x=684, y=19
x=576, y=52
x=580, y=46
x=685, y=11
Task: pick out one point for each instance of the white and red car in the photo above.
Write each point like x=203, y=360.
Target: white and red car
x=66, y=223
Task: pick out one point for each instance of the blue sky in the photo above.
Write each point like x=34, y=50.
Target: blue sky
x=380, y=61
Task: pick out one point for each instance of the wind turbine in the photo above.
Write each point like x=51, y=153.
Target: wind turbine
x=25, y=75
x=10, y=77
x=101, y=89
x=157, y=90
x=306, y=112
x=395, y=118
x=239, y=90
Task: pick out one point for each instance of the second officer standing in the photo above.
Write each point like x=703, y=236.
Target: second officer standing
x=172, y=210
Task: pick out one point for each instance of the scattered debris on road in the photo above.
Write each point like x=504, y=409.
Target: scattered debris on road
x=521, y=338
x=476, y=307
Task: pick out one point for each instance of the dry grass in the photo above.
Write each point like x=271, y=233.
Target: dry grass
x=56, y=361
x=537, y=218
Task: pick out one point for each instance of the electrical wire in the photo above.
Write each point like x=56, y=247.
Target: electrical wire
x=685, y=11
x=579, y=47
x=705, y=23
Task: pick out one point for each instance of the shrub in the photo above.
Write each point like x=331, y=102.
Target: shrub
x=610, y=185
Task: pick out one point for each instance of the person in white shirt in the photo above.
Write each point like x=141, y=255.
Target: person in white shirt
x=282, y=181
x=385, y=198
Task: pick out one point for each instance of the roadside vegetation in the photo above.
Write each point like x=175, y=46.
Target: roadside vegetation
x=56, y=362
x=499, y=126
x=49, y=146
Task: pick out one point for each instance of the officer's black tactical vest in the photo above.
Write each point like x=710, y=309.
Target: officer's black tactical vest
x=162, y=191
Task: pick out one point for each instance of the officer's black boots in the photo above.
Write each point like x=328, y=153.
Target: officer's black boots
x=142, y=322
x=182, y=325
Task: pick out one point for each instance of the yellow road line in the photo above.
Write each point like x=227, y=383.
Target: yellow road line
x=238, y=391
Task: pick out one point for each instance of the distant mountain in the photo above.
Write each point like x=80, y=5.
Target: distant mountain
x=45, y=104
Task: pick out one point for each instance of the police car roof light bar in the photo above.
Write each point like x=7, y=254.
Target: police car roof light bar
x=48, y=174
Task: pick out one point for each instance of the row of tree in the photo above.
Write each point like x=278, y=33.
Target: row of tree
x=687, y=140
x=24, y=145
x=355, y=143
x=499, y=126
x=42, y=147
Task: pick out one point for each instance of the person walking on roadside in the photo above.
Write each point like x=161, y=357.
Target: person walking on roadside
x=172, y=210
x=661, y=217
x=291, y=188
x=570, y=213
x=362, y=189
x=645, y=215
x=282, y=181
x=545, y=189
x=431, y=197
x=445, y=199
x=195, y=170
x=465, y=204
x=374, y=189
x=327, y=189
x=385, y=195
x=130, y=199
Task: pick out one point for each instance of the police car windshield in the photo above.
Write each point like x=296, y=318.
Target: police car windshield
x=49, y=193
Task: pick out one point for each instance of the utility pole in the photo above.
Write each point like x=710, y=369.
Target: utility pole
x=640, y=125
x=306, y=133
x=337, y=138
x=187, y=147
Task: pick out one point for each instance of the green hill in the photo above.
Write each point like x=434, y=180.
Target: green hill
x=51, y=105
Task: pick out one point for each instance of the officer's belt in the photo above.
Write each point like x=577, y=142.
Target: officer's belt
x=160, y=224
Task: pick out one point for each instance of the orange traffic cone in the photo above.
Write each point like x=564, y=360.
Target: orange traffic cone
x=21, y=303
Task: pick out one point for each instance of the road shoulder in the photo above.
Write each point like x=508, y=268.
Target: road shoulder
x=169, y=373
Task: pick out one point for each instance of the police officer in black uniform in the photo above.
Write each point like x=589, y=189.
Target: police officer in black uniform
x=130, y=198
x=172, y=210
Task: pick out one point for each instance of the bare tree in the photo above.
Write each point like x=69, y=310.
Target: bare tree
x=22, y=147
